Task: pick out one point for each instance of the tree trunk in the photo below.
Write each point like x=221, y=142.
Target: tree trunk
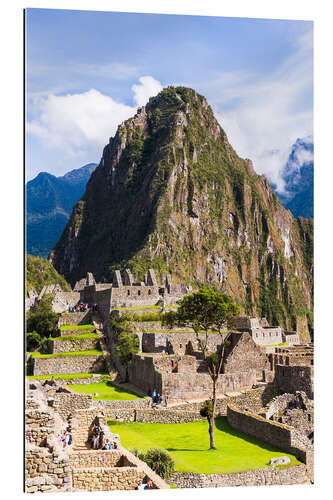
x=211, y=420
x=211, y=423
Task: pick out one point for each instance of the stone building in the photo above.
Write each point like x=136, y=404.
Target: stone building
x=262, y=333
x=176, y=368
x=124, y=291
x=60, y=300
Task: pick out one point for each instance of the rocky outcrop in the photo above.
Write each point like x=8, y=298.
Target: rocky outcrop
x=171, y=193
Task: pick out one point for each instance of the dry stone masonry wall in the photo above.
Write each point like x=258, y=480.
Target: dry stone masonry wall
x=296, y=474
x=68, y=364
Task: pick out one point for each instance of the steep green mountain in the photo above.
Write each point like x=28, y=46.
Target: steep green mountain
x=49, y=203
x=40, y=272
x=172, y=194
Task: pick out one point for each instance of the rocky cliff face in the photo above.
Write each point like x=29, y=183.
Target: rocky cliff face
x=172, y=194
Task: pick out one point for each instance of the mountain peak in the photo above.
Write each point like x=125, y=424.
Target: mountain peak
x=170, y=193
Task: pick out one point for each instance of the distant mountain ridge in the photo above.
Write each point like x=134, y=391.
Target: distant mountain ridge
x=49, y=203
x=298, y=177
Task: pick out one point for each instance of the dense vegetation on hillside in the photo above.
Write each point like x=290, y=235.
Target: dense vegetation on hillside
x=40, y=272
x=172, y=194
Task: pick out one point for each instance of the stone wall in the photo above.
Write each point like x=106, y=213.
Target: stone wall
x=253, y=400
x=161, y=415
x=131, y=296
x=68, y=364
x=39, y=426
x=75, y=318
x=180, y=343
x=116, y=478
x=178, y=386
x=56, y=346
x=144, y=373
x=46, y=471
x=243, y=354
x=296, y=474
x=96, y=458
x=131, y=403
x=283, y=436
x=66, y=333
x=65, y=403
x=294, y=378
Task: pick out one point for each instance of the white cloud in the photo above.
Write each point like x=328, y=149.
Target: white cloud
x=76, y=123
x=149, y=87
x=264, y=115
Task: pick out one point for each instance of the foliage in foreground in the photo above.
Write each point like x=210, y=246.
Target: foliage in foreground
x=159, y=461
x=44, y=321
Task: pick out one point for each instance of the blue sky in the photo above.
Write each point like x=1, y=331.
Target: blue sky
x=88, y=71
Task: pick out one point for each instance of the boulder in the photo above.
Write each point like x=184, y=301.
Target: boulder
x=279, y=461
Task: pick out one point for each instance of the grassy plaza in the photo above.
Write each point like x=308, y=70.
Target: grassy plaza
x=188, y=445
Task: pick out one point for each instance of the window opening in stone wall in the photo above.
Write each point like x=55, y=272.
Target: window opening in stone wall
x=139, y=292
x=149, y=292
x=128, y=292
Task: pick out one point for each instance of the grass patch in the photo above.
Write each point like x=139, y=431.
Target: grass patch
x=74, y=337
x=77, y=327
x=275, y=345
x=92, y=352
x=66, y=376
x=188, y=445
x=107, y=391
x=176, y=331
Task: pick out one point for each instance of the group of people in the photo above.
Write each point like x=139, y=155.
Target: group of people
x=142, y=486
x=65, y=438
x=158, y=399
x=80, y=307
x=98, y=441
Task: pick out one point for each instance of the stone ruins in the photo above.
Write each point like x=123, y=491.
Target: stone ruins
x=264, y=390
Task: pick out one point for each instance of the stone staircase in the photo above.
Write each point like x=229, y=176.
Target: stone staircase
x=104, y=470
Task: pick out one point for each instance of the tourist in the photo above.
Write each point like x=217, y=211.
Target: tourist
x=68, y=439
x=154, y=395
x=149, y=485
x=95, y=441
x=96, y=429
x=107, y=445
x=63, y=439
x=101, y=440
x=165, y=401
x=140, y=485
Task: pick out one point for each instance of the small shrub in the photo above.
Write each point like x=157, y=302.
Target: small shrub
x=159, y=461
x=33, y=340
x=206, y=409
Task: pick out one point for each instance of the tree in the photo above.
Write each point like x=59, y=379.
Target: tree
x=127, y=345
x=208, y=310
x=44, y=321
x=33, y=341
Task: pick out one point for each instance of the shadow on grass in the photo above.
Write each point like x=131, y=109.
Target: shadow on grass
x=222, y=425
x=123, y=390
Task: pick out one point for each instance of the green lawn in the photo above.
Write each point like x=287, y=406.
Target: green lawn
x=107, y=391
x=65, y=376
x=188, y=444
x=77, y=327
x=75, y=337
x=92, y=352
